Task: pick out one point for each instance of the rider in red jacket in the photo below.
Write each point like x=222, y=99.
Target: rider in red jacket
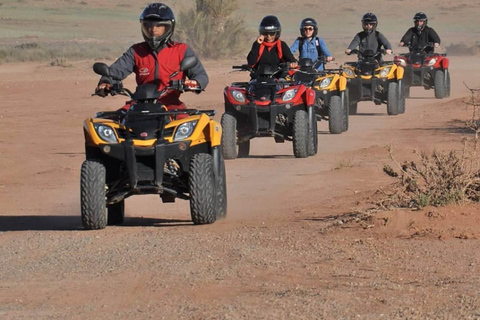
x=155, y=59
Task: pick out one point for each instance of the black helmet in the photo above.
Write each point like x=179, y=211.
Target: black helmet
x=420, y=16
x=157, y=14
x=270, y=24
x=369, y=18
x=308, y=22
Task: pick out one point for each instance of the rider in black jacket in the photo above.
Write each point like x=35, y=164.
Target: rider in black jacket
x=419, y=36
x=268, y=48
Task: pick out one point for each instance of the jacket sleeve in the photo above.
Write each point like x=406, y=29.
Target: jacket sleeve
x=124, y=65
x=197, y=73
x=252, y=56
x=294, y=46
x=407, y=37
x=287, y=54
x=355, y=42
x=384, y=42
x=433, y=36
x=323, y=47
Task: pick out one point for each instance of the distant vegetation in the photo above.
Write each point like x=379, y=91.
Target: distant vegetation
x=212, y=30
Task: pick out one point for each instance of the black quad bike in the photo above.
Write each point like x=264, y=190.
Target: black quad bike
x=147, y=150
x=268, y=107
x=370, y=80
x=424, y=68
x=330, y=88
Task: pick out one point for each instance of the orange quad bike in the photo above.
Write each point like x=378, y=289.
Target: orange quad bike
x=147, y=149
x=330, y=88
x=424, y=68
x=368, y=79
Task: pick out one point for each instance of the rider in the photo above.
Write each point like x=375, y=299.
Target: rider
x=309, y=45
x=369, y=38
x=420, y=35
x=268, y=48
x=155, y=59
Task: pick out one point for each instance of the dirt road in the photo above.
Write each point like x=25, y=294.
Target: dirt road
x=280, y=254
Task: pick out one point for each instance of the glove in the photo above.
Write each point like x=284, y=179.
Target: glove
x=102, y=90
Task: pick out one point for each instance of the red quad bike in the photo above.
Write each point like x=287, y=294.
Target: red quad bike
x=267, y=107
x=424, y=68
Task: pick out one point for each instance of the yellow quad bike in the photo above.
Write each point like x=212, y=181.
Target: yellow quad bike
x=149, y=150
x=330, y=85
x=370, y=80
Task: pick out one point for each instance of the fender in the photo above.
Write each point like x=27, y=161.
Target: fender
x=215, y=133
x=342, y=84
x=444, y=62
x=399, y=72
x=310, y=97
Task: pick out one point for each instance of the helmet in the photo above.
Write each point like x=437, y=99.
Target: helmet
x=369, y=18
x=308, y=22
x=157, y=14
x=420, y=16
x=270, y=24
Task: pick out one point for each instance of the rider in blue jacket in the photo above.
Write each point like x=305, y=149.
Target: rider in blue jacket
x=309, y=45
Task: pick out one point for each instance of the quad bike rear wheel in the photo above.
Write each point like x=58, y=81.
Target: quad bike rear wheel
x=92, y=195
x=447, y=83
x=300, y=134
x=439, y=84
x=229, y=136
x=243, y=149
x=392, y=99
x=401, y=97
x=203, y=198
x=116, y=213
x=345, y=112
x=313, y=136
x=352, y=105
x=335, y=115
x=221, y=190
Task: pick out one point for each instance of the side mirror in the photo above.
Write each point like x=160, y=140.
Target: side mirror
x=187, y=63
x=101, y=69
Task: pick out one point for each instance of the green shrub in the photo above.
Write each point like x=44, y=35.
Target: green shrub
x=211, y=30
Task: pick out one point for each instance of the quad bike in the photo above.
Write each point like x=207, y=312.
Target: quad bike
x=146, y=150
x=424, y=68
x=330, y=93
x=267, y=107
x=370, y=80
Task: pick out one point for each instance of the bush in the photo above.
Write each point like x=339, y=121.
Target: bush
x=211, y=30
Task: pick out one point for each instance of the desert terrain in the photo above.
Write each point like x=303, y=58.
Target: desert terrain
x=289, y=248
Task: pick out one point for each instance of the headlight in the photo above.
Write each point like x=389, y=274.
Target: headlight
x=106, y=133
x=326, y=82
x=432, y=62
x=184, y=130
x=289, y=95
x=238, y=95
x=384, y=72
x=402, y=62
x=349, y=72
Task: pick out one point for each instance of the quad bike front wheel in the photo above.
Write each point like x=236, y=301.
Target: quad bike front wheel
x=447, y=83
x=221, y=190
x=439, y=84
x=203, y=198
x=345, y=113
x=392, y=99
x=92, y=195
x=313, y=135
x=401, y=97
x=335, y=115
x=229, y=136
x=300, y=134
x=243, y=149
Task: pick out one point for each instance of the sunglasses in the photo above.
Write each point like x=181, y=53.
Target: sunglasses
x=369, y=24
x=308, y=28
x=271, y=34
